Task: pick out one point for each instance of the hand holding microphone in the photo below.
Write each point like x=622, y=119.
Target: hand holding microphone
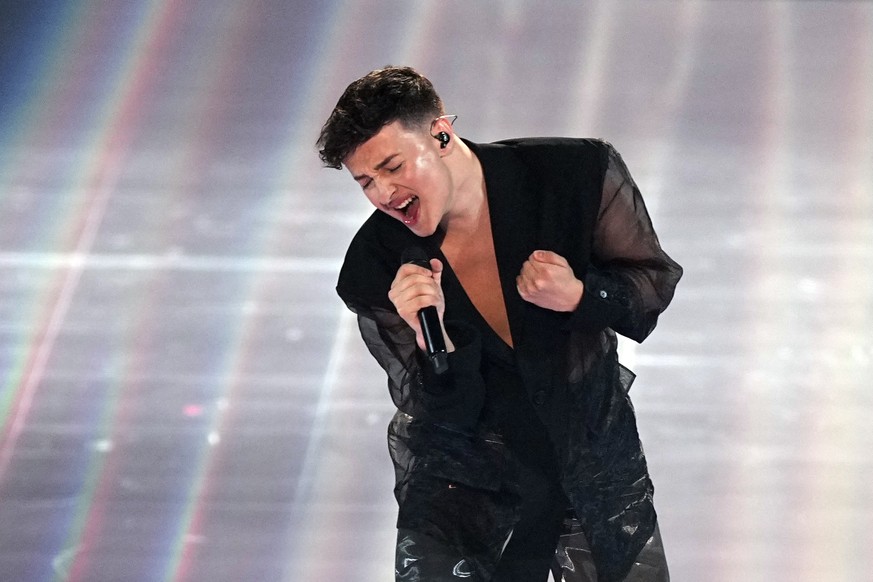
x=418, y=298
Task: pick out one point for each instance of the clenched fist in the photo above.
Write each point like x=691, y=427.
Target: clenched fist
x=547, y=280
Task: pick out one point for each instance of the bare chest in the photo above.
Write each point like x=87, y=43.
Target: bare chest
x=475, y=265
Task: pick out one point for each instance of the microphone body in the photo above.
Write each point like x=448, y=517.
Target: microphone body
x=434, y=342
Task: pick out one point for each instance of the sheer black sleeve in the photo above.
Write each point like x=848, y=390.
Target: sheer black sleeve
x=369, y=267
x=630, y=279
x=453, y=398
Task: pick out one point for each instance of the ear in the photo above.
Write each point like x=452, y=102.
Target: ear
x=442, y=132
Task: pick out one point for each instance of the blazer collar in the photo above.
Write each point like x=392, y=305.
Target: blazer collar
x=512, y=225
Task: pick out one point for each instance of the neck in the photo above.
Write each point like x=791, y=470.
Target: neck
x=470, y=202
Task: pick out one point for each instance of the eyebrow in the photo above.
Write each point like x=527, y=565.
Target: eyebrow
x=378, y=167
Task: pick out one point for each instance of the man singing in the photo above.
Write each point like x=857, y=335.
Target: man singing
x=520, y=456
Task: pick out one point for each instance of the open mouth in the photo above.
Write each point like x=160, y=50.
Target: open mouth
x=409, y=209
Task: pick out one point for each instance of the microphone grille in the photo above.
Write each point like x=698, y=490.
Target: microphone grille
x=415, y=255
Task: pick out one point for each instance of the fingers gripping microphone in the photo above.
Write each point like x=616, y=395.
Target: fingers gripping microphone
x=434, y=343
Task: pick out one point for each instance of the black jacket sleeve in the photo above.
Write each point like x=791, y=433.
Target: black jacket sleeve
x=630, y=280
x=370, y=265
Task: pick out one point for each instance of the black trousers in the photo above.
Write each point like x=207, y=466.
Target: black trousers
x=547, y=539
x=421, y=559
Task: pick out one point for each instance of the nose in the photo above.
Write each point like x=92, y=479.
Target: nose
x=384, y=190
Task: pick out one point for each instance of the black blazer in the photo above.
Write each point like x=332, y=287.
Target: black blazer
x=576, y=198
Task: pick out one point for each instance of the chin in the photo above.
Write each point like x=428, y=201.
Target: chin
x=420, y=230
x=419, y=233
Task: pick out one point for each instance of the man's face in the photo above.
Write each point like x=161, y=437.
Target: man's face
x=402, y=174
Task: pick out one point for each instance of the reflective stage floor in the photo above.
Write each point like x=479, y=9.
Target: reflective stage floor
x=184, y=398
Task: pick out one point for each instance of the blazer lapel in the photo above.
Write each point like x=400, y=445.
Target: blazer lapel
x=515, y=200
x=513, y=225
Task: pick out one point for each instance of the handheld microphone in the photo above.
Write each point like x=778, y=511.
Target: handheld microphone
x=434, y=342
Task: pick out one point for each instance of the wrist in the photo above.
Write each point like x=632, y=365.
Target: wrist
x=576, y=296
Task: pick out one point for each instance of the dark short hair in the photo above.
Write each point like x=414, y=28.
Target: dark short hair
x=372, y=102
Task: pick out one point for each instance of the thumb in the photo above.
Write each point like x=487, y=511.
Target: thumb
x=436, y=267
